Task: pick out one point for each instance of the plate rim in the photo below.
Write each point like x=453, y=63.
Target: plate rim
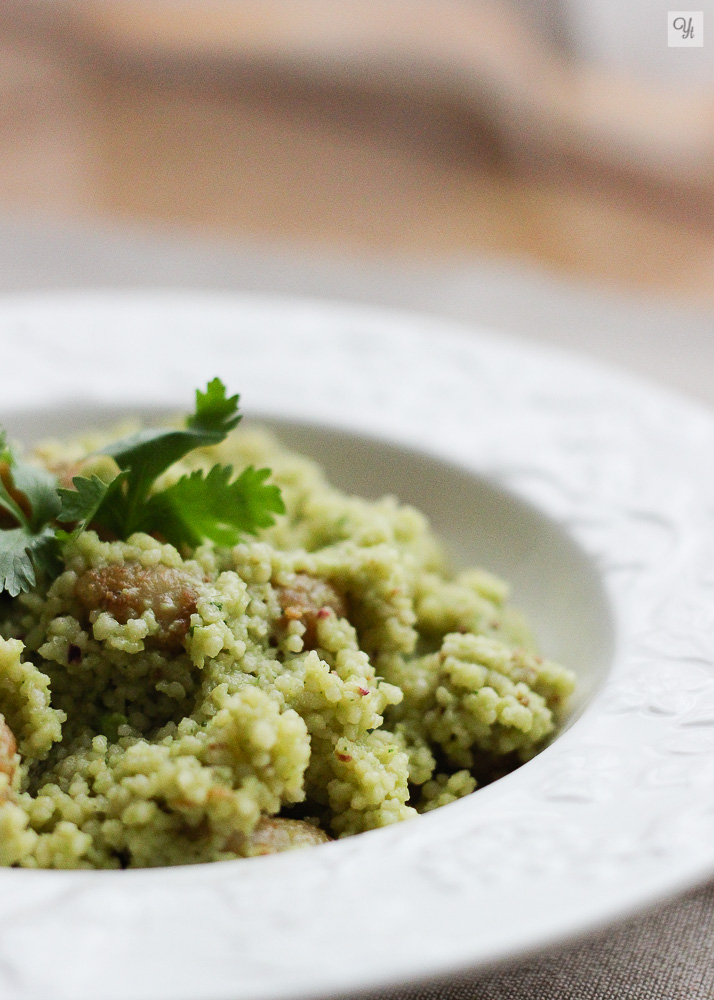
x=598, y=378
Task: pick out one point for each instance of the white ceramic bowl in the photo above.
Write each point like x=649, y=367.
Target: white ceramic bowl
x=591, y=492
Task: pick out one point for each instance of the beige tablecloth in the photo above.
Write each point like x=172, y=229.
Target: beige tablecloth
x=667, y=954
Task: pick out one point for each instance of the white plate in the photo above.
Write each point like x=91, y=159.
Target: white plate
x=592, y=492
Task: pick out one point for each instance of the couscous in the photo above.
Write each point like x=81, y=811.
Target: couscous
x=217, y=685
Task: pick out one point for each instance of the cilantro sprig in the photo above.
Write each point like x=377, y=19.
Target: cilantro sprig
x=29, y=502
x=213, y=505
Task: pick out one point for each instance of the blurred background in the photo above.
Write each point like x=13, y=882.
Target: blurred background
x=561, y=133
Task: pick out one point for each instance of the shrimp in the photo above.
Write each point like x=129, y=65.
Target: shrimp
x=274, y=834
x=127, y=590
x=304, y=600
x=8, y=758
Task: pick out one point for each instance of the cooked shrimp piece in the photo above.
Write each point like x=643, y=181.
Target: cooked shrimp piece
x=273, y=835
x=128, y=590
x=304, y=599
x=8, y=756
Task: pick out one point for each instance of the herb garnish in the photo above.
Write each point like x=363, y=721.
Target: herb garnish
x=202, y=505
x=28, y=503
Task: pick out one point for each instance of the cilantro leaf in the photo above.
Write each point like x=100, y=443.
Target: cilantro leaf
x=9, y=501
x=40, y=488
x=35, y=484
x=81, y=505
x=44, y=549
x=147, y=454
x=215, y=412
x=28, y=494
x=209, y=506
x=16, y=570
x=22, y=552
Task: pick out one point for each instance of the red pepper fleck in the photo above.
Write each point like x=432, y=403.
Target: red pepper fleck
x=344, y=757
x=363, y=691
x=323, y=613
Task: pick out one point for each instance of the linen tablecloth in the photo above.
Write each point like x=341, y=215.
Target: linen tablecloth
x=667, y=953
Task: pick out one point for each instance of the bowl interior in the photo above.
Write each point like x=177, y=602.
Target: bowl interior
x=554, y=582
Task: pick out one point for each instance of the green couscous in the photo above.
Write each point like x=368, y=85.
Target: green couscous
x=170, y=704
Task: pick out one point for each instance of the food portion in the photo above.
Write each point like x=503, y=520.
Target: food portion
x=209, y=652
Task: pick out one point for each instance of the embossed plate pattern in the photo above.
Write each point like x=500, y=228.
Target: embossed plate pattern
x=616, y=814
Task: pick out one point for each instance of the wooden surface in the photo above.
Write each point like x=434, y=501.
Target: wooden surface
x=250, y=152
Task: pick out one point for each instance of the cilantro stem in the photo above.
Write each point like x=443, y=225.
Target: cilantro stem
x=12, y=507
